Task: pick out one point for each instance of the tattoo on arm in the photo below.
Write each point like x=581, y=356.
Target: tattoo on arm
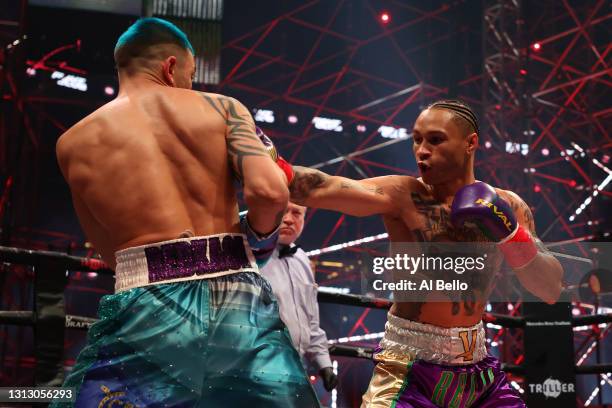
x=528, y=217
x=372, y=189
x=304, y=181
x=241, y=139
x=522, y=211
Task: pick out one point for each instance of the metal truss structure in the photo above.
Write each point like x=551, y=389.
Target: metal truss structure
x=541, y=85
x=538, y=74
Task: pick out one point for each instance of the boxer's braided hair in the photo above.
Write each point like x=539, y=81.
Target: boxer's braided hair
x=463, y=113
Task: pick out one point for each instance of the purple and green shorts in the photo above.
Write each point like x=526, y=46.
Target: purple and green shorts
x=425, y=366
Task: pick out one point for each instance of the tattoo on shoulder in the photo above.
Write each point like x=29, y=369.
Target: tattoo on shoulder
x=241, y=138
x=304, y=181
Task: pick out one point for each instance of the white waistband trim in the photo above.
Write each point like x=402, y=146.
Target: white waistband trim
x=440, y=345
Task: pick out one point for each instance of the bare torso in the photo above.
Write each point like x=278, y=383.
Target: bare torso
x=149, y=166
x=423, y=219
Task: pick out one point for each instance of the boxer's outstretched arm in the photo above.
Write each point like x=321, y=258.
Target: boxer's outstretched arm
x=314, y=188
x=264, y=185
x=543, y=276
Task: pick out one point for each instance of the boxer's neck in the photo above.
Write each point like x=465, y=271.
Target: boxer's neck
x=444, y=192
x=138, y=81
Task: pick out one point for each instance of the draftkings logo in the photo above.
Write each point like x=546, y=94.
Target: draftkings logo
x=551, y=388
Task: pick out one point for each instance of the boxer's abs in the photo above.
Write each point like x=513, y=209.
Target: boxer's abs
x=142, y=170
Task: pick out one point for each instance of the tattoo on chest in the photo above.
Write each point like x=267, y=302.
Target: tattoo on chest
x=437, y=226
x=434, y=225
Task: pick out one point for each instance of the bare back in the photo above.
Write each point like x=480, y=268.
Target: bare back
x=149, y=166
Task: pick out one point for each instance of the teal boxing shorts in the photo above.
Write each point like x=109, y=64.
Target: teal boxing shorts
x=192, y=324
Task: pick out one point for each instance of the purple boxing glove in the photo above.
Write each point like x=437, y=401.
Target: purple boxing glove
x=480, y=204
x=271, y=149
x=267, y=142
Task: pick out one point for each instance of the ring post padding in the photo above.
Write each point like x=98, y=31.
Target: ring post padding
x=49, y=283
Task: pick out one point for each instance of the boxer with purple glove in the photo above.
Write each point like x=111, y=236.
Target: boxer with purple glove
x=433, y=353
x=479, y=203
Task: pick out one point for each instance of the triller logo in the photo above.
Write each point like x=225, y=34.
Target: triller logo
x=551, y=388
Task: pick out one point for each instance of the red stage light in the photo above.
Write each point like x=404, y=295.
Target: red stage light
x=385, y=17
x=572, y=183
x=536, y=46
x=537, y=188
x=313, y=378
x=523, y=71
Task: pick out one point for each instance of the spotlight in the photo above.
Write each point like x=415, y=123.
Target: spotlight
x=385, y=17
x=572, y=183
x=31, y=71
x=605, y=159
x=537, y=188
x=523, y=71
x=109, y=90
x=536, y=46
x=313, y=378
x=361, y=128
x=488, y=144
x=292, y=119
x=545, y=152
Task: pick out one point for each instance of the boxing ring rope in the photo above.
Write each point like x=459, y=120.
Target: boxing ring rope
x=494, y=318
x=49, y=316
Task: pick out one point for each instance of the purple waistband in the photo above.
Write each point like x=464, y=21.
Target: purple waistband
x=201, y=256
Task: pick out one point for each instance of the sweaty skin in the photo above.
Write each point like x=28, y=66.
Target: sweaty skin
x=158, y=162
x=418, y=210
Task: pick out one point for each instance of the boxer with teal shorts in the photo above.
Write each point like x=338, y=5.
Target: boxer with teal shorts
x=192, y=324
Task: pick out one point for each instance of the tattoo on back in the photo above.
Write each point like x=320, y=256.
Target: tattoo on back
x=242, y=140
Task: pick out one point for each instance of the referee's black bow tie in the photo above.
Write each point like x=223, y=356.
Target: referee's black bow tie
x=287, y=250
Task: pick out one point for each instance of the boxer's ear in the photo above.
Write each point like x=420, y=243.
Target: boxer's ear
x=169, y=69
x=472, y=143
